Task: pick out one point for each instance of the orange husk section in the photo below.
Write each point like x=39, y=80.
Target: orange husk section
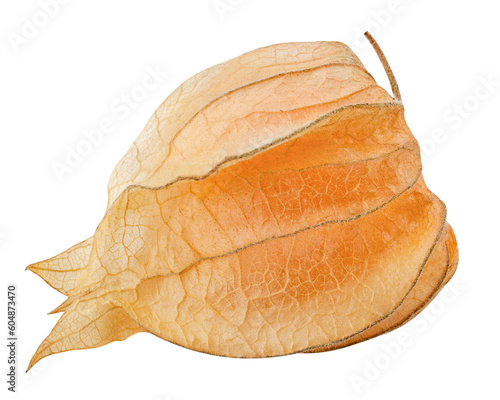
x=273, y=204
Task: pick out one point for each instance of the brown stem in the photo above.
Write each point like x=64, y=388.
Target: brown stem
x=387, y=67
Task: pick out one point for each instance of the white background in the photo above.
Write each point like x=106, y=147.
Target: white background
x=67, y=77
